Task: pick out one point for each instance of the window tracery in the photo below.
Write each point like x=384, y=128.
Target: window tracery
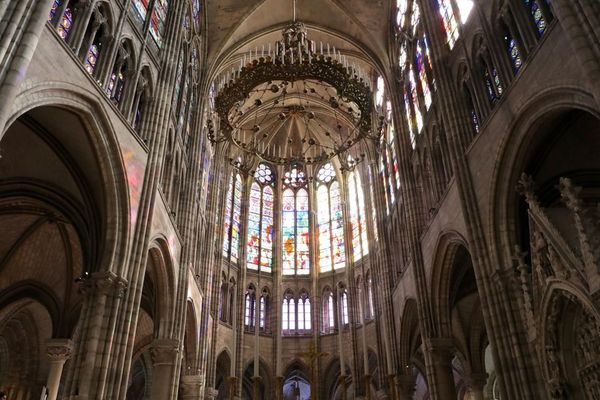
x=360, y=242
x=260, y=221
x=328, y=312
x=231, y=224
x=295, y=222
x=330, y=233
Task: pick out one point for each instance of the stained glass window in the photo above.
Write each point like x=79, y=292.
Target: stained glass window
x=464, y=9
x=411, y=97
x=328, y=312
x=373, y=207
x=231, y=224
x=196, y=12
x=157, y=22
x=370, y=314
x=401, y=6
x=260, y=221
x=450, y=23
x=380, y=92
x=91, y=59
x=116, y=84
x=142, y=8
x=422, y=72
x=391, y=144
x=513, y=52
x=295, y=225
x=360, y=242
x=178, y=80
x=55, y=5
x=330, y=234
x=383, y=170
x=538, y=15
x=66, y=22
x=471, y=105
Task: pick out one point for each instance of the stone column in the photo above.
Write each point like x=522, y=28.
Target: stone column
x=191, y=387
x=440, y=378
x=405, y=385
x=279, y=388
x=475, y=386
x=58, y=351
x=164, y=358
x=17, y=44
x=232, y=387
x=256, y=381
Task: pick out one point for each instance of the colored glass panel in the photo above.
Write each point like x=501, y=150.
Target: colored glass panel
x=464, y=9
x=142, y=8
x=235, y=225
x=266, y=240
x=337, y=227
x=253, y=248
x=91, y=59
x=302, y=232
x=54, y=9
x=345, y=317
x=513, y=52
x=66, y=22
x=157, y=21
x=450, y=23
x=324, y=233
x=227, y=219
x=422, y=73
x=288, y=231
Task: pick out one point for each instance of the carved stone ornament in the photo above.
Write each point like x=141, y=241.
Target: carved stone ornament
x=164, y=351
x=59, y=350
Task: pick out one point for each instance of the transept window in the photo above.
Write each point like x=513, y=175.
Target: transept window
x=260, y=221
x=233, y=207
x=295, y=225
x=330, y=234
x=360, y=242
x=451, y=11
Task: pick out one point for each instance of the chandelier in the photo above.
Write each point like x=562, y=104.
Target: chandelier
x=292, y=102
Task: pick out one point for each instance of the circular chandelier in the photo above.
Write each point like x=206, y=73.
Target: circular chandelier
x=293, y=103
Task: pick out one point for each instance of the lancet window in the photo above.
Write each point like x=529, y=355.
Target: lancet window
x=295, y=223
x=541, y=14
x=328, y=312
x=330, y=234
x=259, y=250
x=231, y=224
x=250, y=307
x=453, y=11
x=360, y=242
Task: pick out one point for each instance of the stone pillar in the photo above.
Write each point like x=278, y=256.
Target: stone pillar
x=164, y=358
x=475, y=386
x=17, y=44
x=58, y=351
x=191, y=387
x=232, y=387
x=405, y=385
x=256, y=382
x=279, y=388
x=440, y=378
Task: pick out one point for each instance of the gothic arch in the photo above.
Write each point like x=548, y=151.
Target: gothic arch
x=160, y=270
x=449, y=245
x=513, y=154
x=104, y=144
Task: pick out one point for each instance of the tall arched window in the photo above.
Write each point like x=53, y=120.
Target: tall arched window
x=401, y=7
x=95, y=38
x=492, y=80
x=61, y=16
x=141, y=6
x=332, y=253
x=295, y=226
x=231, y=224
x=288, y=313
x=512, y=48
x=250, y=307
x=451, y=11
x=328, y=312
x=373, y=204
x=304, y=315
x=231, y=305
x=260, y=221
x=541, y=13
x=360, y=242
x=394, y=173
x=223, y=299
x=118, y=77
x=158, y=19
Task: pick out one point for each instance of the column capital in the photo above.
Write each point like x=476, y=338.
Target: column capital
x=191, y=386
x=164, y=351
x=59, y=349
x=108, y=283
x=476, y=380
x=440, y=345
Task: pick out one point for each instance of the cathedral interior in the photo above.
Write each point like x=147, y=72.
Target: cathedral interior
x=299, y=199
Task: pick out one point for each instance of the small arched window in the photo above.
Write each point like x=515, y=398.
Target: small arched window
x=231, y=305
x=265, y=306
x=345, y=317
x=142, y=98
x=304, y=314
x=61, y=15
x=223, y=299
x=512, y=49
x=95, y=38
x=328, y=312
x=120, y=72
x=250, y=307
x=288, y=313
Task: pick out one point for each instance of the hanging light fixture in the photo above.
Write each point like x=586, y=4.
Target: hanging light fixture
x=293, y=101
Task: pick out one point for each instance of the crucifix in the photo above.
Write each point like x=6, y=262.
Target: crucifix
x=312, y=356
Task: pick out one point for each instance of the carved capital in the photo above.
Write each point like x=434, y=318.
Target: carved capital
x=108, y=283
x=164, y=351
x=191, y=386
x=59, y=350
